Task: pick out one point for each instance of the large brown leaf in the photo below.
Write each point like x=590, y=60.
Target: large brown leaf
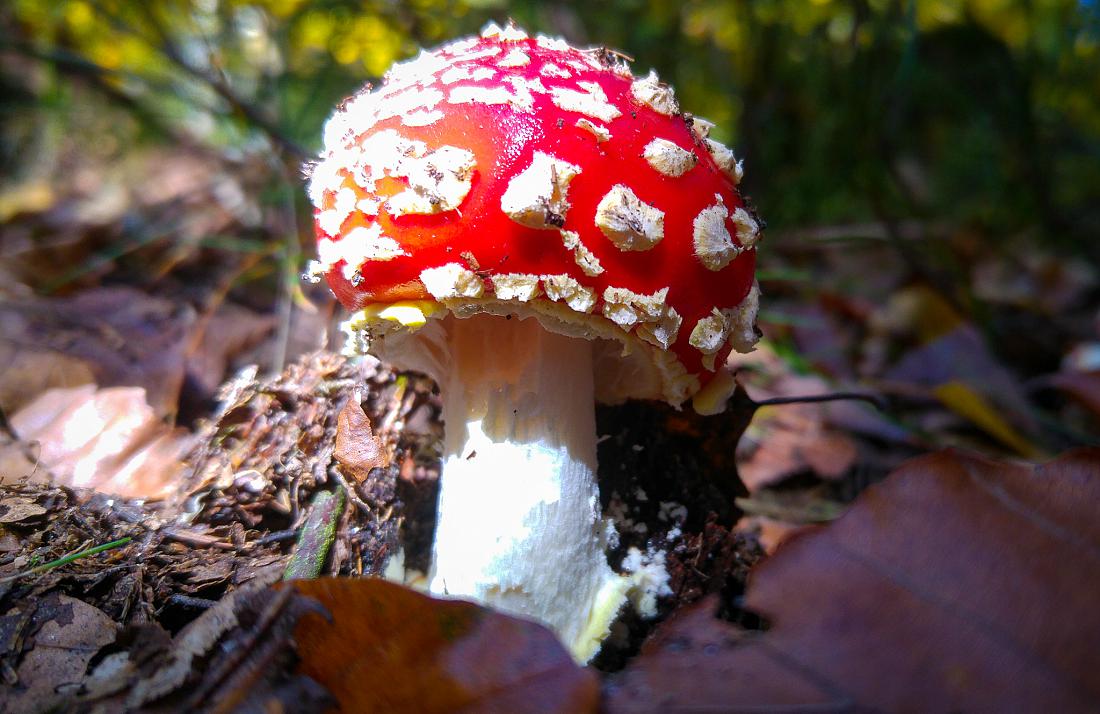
x=121, y=336
x=385, y=648
x=104, y=439
x=958, y=584
x=362, y=645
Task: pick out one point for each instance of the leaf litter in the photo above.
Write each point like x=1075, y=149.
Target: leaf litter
x=231, y=520
x=328, y=423
x=195, y=577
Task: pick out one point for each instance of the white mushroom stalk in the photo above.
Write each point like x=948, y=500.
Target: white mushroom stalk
x=520, y=525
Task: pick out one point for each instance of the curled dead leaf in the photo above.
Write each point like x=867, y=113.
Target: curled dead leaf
x=357, y=448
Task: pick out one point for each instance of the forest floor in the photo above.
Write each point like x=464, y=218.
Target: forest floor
x=179, y=431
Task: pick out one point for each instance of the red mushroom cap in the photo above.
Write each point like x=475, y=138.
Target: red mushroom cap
x=514, y=174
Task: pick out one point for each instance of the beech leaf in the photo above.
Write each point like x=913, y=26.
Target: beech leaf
x=958, y=584
x=386, y=648
x=119, y=336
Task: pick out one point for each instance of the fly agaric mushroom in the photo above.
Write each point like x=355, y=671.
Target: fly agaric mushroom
x=537, y=229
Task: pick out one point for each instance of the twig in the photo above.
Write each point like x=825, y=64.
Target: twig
x=816, y=511
x=367, y=511
x=195, y=603
x=873, y=399
x=276, y=537
x=197, y=540
x=66, y=559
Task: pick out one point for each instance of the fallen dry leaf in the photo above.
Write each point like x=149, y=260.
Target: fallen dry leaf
x=15, y=509
x=969, y=403
x=385, y=648
x=770, y=533
x=218, y=338
x=48, y=644
x=787, y=439
x=953, y=362
x=121, y=335
x=107, y=439
x=364, y=645
x=29, y=372
x=357, y=448
x=958, y=584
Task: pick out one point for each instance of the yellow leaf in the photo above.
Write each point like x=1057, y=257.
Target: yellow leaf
x=964, y=401
x=31, y=197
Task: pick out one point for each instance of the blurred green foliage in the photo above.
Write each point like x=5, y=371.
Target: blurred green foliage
x=979, y=114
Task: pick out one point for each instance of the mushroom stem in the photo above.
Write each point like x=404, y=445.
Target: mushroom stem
x=519, y=525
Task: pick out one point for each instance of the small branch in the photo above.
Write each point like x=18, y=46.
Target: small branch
x=197, y=540
x=277, y=537
x=873, y=399
x=350, y=491
x=816, y=511
x=195, y=603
